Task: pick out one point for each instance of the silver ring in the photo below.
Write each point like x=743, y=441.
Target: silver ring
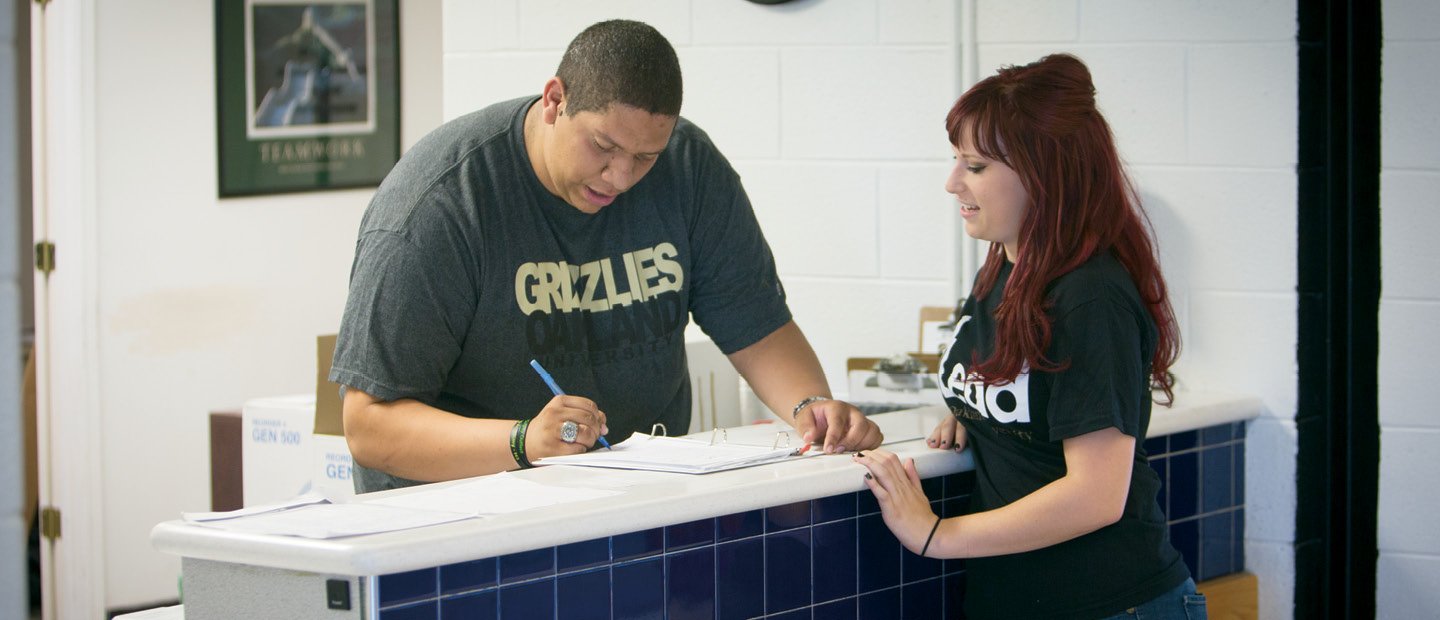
x=569, y=431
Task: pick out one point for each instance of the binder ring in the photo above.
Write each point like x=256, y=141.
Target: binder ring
x=658, y=430
x=778, y=437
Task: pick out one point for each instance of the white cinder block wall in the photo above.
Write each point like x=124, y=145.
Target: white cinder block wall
x=1408, y=571
x=832, y=110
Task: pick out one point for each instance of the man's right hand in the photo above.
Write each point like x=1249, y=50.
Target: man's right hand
x=542, y=438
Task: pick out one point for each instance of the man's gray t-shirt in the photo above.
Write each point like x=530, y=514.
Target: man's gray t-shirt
x=466, y=268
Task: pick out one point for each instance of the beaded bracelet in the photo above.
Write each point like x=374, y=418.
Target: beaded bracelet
x=517, y=443
x=806, y=403
x=931, y=536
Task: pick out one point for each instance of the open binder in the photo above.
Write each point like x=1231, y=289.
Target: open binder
x=678, y=455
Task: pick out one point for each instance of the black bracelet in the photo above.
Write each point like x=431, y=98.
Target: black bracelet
x=931, y=536
x=517, y=443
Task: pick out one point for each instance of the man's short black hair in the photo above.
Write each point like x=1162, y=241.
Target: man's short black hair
x=621, y=61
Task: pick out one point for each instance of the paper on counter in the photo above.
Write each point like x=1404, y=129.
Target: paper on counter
x=673, y=454
x=336, y=520
x=294, y=502
x=314, y=516
x=492, y=495
x=172, y=612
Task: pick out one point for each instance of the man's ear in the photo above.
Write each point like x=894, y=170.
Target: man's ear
x=552, y=100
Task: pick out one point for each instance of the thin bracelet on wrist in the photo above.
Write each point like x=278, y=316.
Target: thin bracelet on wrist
x=931, y=536
x=517, y=443
x=806, y=403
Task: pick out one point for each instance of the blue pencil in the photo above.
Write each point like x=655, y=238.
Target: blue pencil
x=555, y=389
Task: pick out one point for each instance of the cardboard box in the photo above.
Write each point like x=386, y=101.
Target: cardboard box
x=282, y=457
x=276, y=453
x=328, y=420
x=296, y=444
x=937, y=326
x=330, y=471
x=868, y=387
x=1232, y=597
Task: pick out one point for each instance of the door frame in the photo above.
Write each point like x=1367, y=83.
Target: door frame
x=69, y=420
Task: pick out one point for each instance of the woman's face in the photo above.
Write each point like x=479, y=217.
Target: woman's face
x=992, y=199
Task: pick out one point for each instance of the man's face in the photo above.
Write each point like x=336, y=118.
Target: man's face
x=592, y=157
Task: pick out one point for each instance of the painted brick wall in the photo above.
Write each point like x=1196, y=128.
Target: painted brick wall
x=1409, y=566
x=832, y=110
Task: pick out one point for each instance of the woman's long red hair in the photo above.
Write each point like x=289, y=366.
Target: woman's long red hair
x=1040, y=119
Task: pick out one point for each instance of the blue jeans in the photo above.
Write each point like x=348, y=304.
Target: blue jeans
x=1182, y=603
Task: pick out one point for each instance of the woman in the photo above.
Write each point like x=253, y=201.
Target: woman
x=1051, y=370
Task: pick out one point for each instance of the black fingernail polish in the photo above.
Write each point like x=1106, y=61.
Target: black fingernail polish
x=868, y=476
x=859, y=454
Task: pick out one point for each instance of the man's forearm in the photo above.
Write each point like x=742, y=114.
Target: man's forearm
x=782, y=369
x=413, y=440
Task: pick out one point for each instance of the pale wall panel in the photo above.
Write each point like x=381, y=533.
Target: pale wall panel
x=1188, y=20
x=818, y=218
x=853, y=103
x=1021, y=21
x=805, y=22
x=551, y=24
x=1409, y=497
x=1409, y=220
x=1251, y=120
x=734, y=95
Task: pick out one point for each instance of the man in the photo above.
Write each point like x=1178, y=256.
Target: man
x=580, y=229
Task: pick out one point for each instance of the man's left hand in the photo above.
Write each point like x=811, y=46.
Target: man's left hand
x=840, y=424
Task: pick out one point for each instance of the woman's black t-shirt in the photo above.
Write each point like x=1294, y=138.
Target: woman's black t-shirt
x=1104, y=338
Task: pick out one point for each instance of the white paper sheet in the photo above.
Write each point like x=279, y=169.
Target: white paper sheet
x=673, y=454
x=492, y=495
x=294, y=502
x=336, y=520
x=314, y=516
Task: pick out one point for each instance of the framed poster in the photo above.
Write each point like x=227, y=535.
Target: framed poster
x=307, y=94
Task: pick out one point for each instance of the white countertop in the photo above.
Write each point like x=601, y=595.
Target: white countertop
x=648, y=500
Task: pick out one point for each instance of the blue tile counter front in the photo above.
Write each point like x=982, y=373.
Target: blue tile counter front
x=802, y=558
x=830, y=557
x=1203, y=495
x=798, y=539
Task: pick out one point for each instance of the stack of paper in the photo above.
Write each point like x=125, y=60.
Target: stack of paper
x=672, y=454
x=500, y=493
x=314, y=516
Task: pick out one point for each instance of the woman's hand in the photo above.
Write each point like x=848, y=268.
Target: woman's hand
x=948, y=434
x=543, y=437
x=903, y=504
